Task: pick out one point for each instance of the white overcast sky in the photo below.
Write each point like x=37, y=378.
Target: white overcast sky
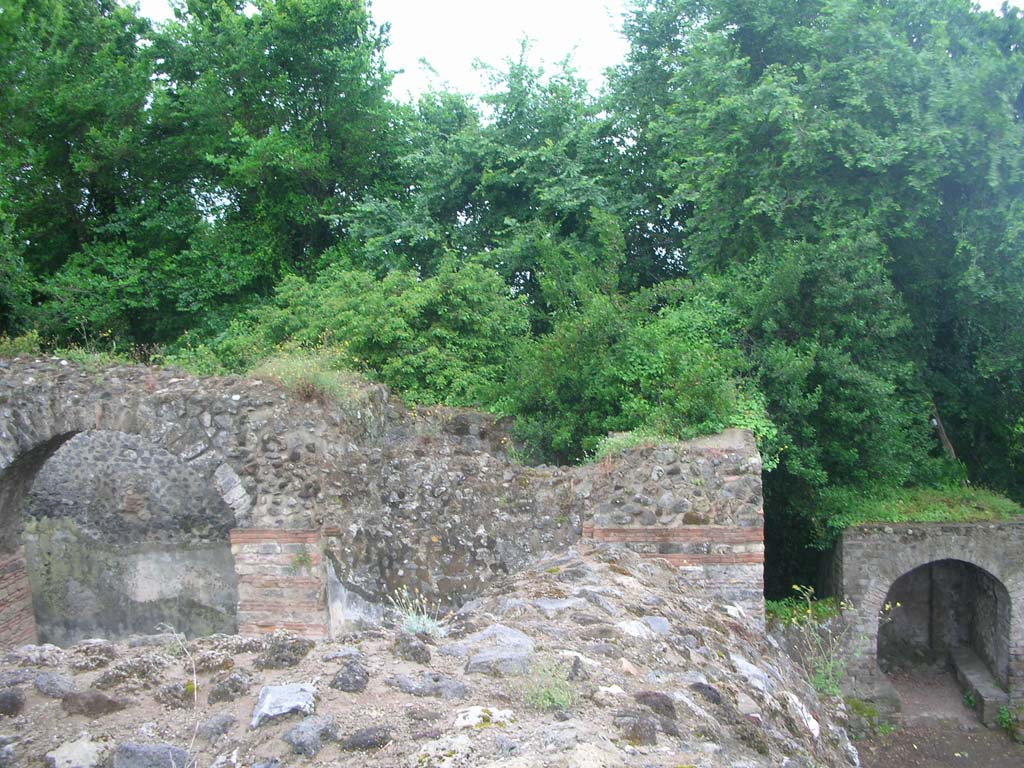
x=452, y=34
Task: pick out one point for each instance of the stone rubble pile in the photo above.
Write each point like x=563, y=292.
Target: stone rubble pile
x=590, y=659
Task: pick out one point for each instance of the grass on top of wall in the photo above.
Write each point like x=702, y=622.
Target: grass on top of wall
x=963, y=504
x=311, y=377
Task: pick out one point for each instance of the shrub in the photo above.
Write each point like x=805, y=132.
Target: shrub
x=1005, y=718
x=547, y=688
x=664, y=363
x=26, y=344
x=445, y=339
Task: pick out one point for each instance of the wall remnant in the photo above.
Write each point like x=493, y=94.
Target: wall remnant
x=17, y=620
x=383, y=497
x=697, y=504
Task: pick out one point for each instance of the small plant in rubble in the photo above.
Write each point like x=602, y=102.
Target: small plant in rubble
x=416, y=614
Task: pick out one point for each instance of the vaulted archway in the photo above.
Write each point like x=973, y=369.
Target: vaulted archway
x=121, y=537
x=44, y=405
x=961, y=586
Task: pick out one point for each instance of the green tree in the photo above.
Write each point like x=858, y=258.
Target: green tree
x=281, y=109
x=520, y=189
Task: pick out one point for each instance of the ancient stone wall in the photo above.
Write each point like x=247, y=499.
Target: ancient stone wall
x=697, y=504
x=379, y=498
x=966, y=568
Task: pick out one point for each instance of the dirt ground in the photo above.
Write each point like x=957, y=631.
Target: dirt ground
x=938, y=731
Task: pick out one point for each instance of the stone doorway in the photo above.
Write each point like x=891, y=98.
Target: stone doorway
x=946, y=606
x=960, y=587
x=952, y=618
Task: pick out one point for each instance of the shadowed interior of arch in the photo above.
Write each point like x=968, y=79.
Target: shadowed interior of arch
x=116, y=536
x=948, y=610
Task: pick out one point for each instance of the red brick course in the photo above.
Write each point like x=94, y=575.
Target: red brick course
x=730, y=545
x=704, y=534
x=273, y=535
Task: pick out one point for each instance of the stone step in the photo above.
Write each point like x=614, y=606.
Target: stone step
x=974, y=676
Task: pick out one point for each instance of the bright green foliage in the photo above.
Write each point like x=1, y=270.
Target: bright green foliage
x=617, y=442
x=620, y=366
x=26, y=344
x=798, y=609
x=548, y=688
x=444, y=339
x=159, y=180
x=292, y=124
x=320, y=378
x=843, y=507
x=1005, y=718
x=817, y=632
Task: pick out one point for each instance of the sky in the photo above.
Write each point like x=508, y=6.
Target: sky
x=452, y=34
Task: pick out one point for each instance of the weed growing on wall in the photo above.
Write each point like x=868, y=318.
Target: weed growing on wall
x=1006, y=719
x=301, y=561
x=817, y=634
x=311, y=378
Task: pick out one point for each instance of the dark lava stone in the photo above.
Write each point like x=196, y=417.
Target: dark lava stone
x=352, y=677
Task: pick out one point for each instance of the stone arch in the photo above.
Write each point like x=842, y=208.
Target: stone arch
x=874, y=558
x=43, y=404
x=121, y=537
x=946, y=607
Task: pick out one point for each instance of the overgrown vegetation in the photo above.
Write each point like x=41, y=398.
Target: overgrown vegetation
x=310, y=377
x=914, y=505
x=799, y=218
x=817, y=633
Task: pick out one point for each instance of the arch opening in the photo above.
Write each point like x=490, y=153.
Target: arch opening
x=116, y=536
x=949, y=609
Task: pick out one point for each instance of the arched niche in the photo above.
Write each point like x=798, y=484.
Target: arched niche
x=946, y=606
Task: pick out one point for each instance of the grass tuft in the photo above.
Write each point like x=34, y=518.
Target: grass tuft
x=622, y=441
x=310, y=378
x=547, y=688
x=416, y=615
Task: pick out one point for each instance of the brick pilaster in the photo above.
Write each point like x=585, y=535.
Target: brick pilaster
x=17, y=618
x=281, y=581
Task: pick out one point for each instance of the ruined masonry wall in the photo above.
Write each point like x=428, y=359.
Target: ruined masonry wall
x=334, y=506
x=17, y=621
x=280, y=581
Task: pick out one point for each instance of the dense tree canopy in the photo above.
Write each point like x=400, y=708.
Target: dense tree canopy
x=803, y=217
